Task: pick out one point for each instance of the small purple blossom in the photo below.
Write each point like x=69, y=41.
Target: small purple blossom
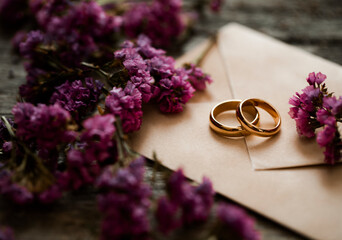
x=167, y=215
x=161, y=21
x=186, y=205
x=18, y=38
x=239, y=223
x=124, y=202
x=53, y=193
x=316, y=108
x=77, y=97
x=196, y=77
x=174, y=93
x=215, y=5
x=28, y=47
x=97, y=147
x=43, y=125
x=15, y=192
x=126, y=104
x=326, y=136
x=316, y=78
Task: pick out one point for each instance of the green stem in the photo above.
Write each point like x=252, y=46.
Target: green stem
x=200, y=59
x=97, y=68
x=8, y=126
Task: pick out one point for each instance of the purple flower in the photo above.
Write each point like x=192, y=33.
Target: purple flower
x=161, y=66
x=167, y=215
x=28, y=47
x=216, y=5
x=124, y=202
x=18, y=38
x=186, y=205
x=81, y=170
x=161, y=21
x=237, y=221
x=145, y=47
x=332, y=153
x=304, y=110
x=15, y=192
x=82, y=30
x=76, y=97
x=333, y=104
x=304, y=125
x=98, y=128
x=43, y=125
x=50, y=195
x=126, y=104
x=196, y=77
x=314, y=108
x=326, y=136
x=174, y=92
x=97, y=147
x=316, y=78
x=6, y=233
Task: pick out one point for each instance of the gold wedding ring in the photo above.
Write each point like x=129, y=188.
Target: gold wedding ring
x=250, y=126
x=228, y=130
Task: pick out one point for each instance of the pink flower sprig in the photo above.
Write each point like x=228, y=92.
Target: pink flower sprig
x=315, y=108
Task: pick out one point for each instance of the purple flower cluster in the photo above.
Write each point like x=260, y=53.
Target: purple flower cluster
x=315, y=108
x=35, y=66
x=197, y=78
x=152, y=75
x=96, y=148
x=6, y=233
x=124, y=201
x=236, y=221
x=78, y=97
x=161, y=20
x=17, y=193
x=215, y=5
x=186, y=204
x=126, y=104
x=45, y=126
x=22, y=194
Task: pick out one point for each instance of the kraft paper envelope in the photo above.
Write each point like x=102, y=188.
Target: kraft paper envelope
x=306, y=199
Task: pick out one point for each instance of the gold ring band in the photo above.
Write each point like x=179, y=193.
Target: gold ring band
x=250, y=126
x=227, y=130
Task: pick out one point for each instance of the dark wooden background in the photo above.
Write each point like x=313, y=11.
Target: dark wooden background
x=313, y=25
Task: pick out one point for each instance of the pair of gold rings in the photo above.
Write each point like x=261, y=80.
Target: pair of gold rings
x=247, y=127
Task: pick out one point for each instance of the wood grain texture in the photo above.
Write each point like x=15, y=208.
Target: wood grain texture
x=313, y=25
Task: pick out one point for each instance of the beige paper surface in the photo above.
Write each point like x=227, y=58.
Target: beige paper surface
x=307, y=199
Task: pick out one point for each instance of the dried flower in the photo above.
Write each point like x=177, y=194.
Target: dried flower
x=124, y=202
x=43, y=125
x=126, y=104
x=316, y=108
x=78, y=97
x=197, y=78
x=186, y=205
x=236, y=222
x=97, y=148
x=161, y=21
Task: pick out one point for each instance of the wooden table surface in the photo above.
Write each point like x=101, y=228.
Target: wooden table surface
x=313, y=25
